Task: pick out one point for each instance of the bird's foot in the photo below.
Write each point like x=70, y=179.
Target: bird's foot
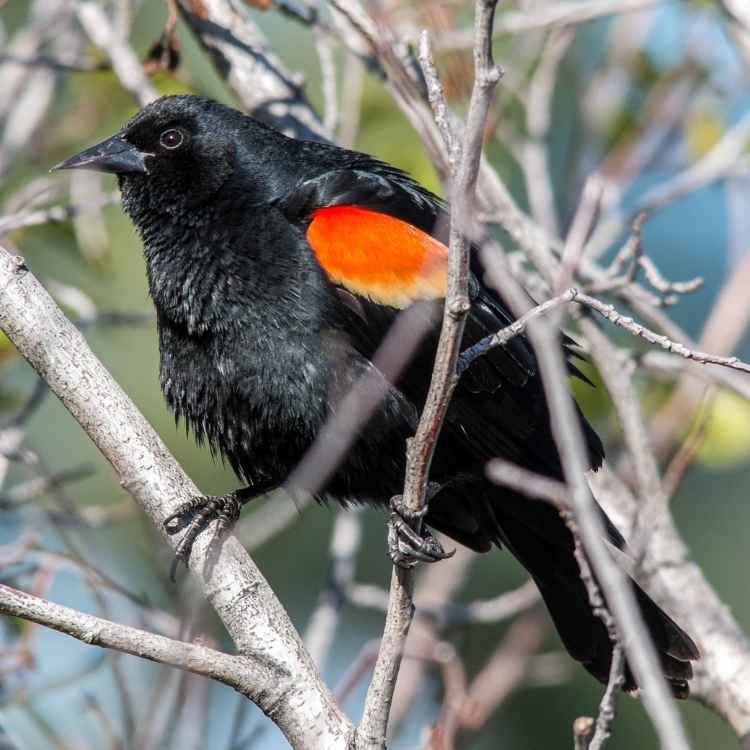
x=196, y=514
x=406, y=545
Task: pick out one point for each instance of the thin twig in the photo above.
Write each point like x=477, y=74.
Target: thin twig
x=610, y=313
x=372, y=730
x=613, y=316
x=436, y=95
x=504, y=335
x=713, y=166
x=528, y=483
x=566, y=431
x=539, y=184
x=607, y=706
x=321, y=630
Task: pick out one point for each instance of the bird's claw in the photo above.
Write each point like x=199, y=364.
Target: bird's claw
x=224, y=508
x=407, y=547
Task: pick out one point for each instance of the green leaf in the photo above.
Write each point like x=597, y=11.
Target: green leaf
x=727, y=440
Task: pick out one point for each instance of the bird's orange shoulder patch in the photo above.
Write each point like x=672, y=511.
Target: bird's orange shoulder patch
x=378, y=256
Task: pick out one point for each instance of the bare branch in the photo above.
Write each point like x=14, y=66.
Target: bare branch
x=125, y=62
x=242, y=55
x=612, y=315
x=372, y=730
x=436, y=95
x=537, y=486
x=559, y=15
x=501, y=607
x=28, y=90
x=246, y=675
x=528, y=483
x=722, y=672
x=516, y=328
x=301, y=704
x=55, y=213
x=435, y=589
x=567, y=433
x=345, y=541
x=609, y=699
x=534, y=161
x=713, y=166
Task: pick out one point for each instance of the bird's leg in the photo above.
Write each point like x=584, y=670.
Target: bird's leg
x=199, y=511
x=406, y=545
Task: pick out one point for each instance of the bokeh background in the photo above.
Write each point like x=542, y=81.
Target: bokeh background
x=68, y=695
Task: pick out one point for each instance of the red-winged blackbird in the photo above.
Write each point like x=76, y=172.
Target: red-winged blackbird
x=277, y=266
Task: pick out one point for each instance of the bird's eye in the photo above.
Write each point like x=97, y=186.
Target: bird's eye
x=171, y=138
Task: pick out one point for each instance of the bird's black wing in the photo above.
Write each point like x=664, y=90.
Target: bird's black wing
x=499, y=405
x=498, y=409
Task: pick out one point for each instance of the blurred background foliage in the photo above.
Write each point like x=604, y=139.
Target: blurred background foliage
x=68, y=695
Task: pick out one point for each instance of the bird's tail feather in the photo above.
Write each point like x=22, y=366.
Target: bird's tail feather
x=587, y=640
x=553, y=567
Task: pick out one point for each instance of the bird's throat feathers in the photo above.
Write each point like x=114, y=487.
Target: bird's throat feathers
x=244, y=271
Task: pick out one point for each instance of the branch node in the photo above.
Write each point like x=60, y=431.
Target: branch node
x=493, y=75
x=459, y=308
x=583, y=730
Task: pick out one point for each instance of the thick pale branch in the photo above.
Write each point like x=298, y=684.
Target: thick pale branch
x=125, y=62
x=723, y=672
x=242, y=55
x=246, y=675
x=296, y=698
x=640, y=650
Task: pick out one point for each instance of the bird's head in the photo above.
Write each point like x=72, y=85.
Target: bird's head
x=173, y=155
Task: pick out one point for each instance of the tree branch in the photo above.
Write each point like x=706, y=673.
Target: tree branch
x=247, y=676
x=567, y=433
x=296, y=698
x=125, y=62
x=244, y=58
x=608, y=312
x=722, y=673
x=372, y=730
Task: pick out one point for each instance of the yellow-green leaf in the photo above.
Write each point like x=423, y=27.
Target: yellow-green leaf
x=702, y=131
x=727, y=439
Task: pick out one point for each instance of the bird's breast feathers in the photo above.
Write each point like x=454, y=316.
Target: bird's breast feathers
x=378, y=256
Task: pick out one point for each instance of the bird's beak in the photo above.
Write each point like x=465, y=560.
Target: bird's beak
x=113, y=155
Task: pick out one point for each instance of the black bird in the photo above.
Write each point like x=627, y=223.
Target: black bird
x=276, y=267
